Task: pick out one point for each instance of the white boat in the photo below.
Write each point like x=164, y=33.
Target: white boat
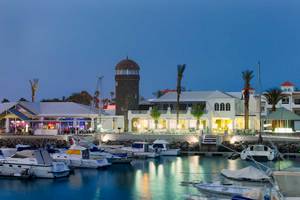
x=141, y=150
x=114, y=158
x=226, y=190
x=79, y=157
x=33, y=163
x=258, y=152
x=287, y=182
x=7, y=152
x=246, y=174
x=162, y=146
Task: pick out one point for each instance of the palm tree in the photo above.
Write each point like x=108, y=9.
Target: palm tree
x=180, y=70
x=197, y=112
x=34, y=86
x=273, y=95
x=247, y=77
x=5, y=100
x=155, y=114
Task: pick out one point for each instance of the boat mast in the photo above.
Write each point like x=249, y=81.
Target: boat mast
x=97, y=99
x=259, y=100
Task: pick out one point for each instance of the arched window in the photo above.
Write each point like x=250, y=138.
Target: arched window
x=216, y=107
x=227, y=106
x=222, y=107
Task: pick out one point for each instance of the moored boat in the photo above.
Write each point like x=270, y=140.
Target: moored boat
x=162, y=146
x=79, y=157
x=246, y=174
x=33, y=163
x=114, y=158
x=287, y=183
x=141, y=150
x=226, y=190
x=258, y=152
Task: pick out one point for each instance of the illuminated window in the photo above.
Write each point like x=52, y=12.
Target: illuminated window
x=216, y=107
x=222, y=107
x=227, y=106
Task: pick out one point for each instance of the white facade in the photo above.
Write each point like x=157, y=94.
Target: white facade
x=291, y=101
x=224, y=113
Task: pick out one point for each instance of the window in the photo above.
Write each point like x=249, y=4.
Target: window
x=285, y=100
x=227, y=106
x=297, y=101
x=222, y=107
x=216, y=107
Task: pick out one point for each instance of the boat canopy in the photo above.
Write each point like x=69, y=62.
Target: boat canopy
x=248, y=173
x=160, y=142
x=41, y=156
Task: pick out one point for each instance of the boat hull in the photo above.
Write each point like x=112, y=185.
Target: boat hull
x=222, y=189
x=170, y=152
x=27, y=171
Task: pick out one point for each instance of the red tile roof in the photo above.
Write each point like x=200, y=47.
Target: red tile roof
x=287, y=84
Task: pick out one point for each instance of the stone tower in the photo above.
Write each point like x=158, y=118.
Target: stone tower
x=127, y=87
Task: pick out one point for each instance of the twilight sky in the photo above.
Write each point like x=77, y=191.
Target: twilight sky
x=68, y=43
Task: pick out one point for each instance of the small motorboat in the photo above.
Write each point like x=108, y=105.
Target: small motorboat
x=246, y=174
x=141, y=150
x=79, y=157
x=226, y=190
x=258, y=152
x=112, y=157
x=287, y=181
x=33, y=163
x=162, y=146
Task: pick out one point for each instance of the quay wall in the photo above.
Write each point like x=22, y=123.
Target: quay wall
x=190, y=138
x=10, y=141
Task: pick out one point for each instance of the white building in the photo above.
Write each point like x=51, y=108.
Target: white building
x=290, y=101
x=224, y=112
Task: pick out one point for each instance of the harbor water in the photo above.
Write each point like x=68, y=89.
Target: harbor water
x=145, y=179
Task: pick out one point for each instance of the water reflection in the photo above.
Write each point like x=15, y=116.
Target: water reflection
x=151, y=179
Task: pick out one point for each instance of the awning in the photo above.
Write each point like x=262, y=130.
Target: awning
x=282, y=114
x=19, y=114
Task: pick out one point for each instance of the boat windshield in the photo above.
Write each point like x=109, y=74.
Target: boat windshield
x=19, y=156
x=137, y=145
x=158, y=146
x=260, y=148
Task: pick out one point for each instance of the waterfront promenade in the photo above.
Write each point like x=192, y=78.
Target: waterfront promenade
x=187, y=142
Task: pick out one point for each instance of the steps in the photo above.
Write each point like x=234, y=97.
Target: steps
x=209, y=139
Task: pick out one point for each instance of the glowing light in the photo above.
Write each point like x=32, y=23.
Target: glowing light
x=26, y=128
x=233, y=140
x=193, y=140
x=105, y=138
x=283, y=130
